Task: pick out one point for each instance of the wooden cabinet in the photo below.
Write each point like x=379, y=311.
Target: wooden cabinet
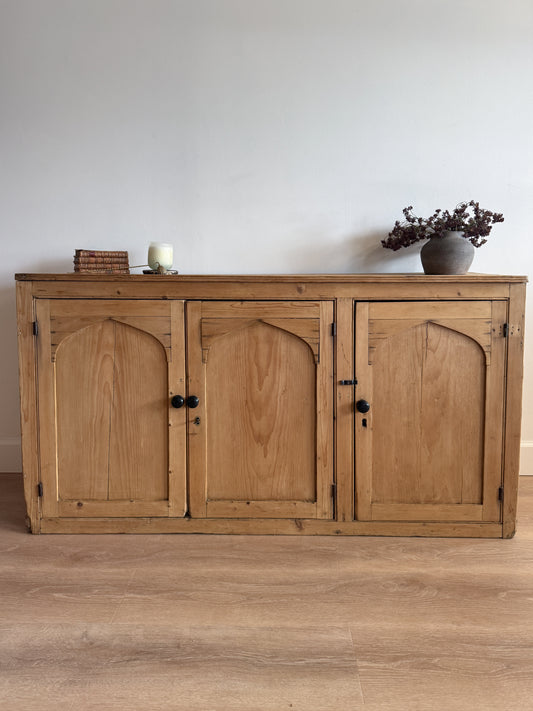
x=361, y=404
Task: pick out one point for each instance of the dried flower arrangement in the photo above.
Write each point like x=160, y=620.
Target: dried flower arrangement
x=468, y=218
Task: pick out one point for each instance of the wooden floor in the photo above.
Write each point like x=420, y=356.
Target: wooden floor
x=146, y=623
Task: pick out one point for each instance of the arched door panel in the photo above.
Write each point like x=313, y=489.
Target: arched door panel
x=430, y=447
x=108, y=385
x=260, y=441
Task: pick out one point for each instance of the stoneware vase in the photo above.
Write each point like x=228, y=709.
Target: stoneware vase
x=450, y=253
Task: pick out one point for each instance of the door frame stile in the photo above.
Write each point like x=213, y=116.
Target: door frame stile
x=29, y=402
x=513, y=407
x=196, y=434
x=47, y=415
x=177, y=420
x=344, y=410
x=324, y=415
x=494, y=417
x=363, y=435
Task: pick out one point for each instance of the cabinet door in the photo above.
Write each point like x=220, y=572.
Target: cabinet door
x=260, y=440
x=106, y=373
x=430, y=447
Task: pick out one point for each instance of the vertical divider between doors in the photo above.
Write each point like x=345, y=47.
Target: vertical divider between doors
x=344, y=410
x=363, y=435
x=196, y=434
x=177, y=434
x=325, y=409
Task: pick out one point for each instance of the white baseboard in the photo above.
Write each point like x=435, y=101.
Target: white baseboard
x=11, y=461
x=526, y=458
x=10, y=455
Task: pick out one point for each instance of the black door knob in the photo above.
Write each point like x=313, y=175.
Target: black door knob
x=362, y=406
x=193, y=401
x=177, y=401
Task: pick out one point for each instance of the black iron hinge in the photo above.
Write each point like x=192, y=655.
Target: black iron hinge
x=333, y=490
x=333, y=329
x=40, y=489
x=35, y=329
x=509, y=329
x=500, y=493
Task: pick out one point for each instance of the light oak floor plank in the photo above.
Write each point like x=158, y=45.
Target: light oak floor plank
x=263, y=623
x=433, y=668
x=138, y=666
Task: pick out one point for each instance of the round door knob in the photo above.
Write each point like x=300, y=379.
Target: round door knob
x=362, y=406
x=193, y=401
x=177, y=401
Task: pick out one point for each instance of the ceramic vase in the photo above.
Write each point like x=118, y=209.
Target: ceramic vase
x=450, y=253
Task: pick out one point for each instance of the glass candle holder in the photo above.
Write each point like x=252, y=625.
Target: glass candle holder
x=160, y=254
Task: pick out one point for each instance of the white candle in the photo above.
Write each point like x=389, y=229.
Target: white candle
x=160, y=254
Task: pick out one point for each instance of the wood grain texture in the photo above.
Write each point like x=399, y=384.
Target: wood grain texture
x=388, y=278
x=513, y=406
x=259, y=384
x=376, y=287
x=177, y=418
x=324, y=452
x=271, y=527
x=105, y=418
x=363, y=435
x=46, y=394
x=453, y=414
x=84, y=374
x=68, y=317
x=265, y=405
x=138, y=447
x=196, y=424
x=28, y=401
x=435, y=410
x=496, y=383
x=157, y=326
x=307, y=329
x=344, y=410
x=263, y=623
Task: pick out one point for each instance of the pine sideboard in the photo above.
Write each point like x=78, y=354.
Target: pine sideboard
x=361, y=404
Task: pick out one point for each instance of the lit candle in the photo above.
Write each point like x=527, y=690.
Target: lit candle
x=160, y=254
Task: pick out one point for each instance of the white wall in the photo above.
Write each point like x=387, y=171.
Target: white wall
x=257, y=136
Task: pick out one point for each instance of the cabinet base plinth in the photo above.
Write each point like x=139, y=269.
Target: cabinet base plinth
x=266, y=527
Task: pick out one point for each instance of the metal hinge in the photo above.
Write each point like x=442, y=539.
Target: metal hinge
x=348, y=382
x=40, y=489
x=333, y=329
x=35, y=328
x=500, y=493
x=333, y=491
x=509, y=329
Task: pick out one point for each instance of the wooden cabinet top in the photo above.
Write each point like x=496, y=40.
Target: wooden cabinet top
x=360, y=287
x=392, y=278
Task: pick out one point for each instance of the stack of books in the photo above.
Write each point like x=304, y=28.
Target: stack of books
x=89, y=261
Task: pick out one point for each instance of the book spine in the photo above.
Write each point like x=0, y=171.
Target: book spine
x=100, y=253
x=101, y=260
x=100, y=270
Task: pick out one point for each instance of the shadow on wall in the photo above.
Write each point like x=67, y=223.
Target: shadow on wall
x=8, y=345
x=359, y=254
x=9, y=417
x=48, y=266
